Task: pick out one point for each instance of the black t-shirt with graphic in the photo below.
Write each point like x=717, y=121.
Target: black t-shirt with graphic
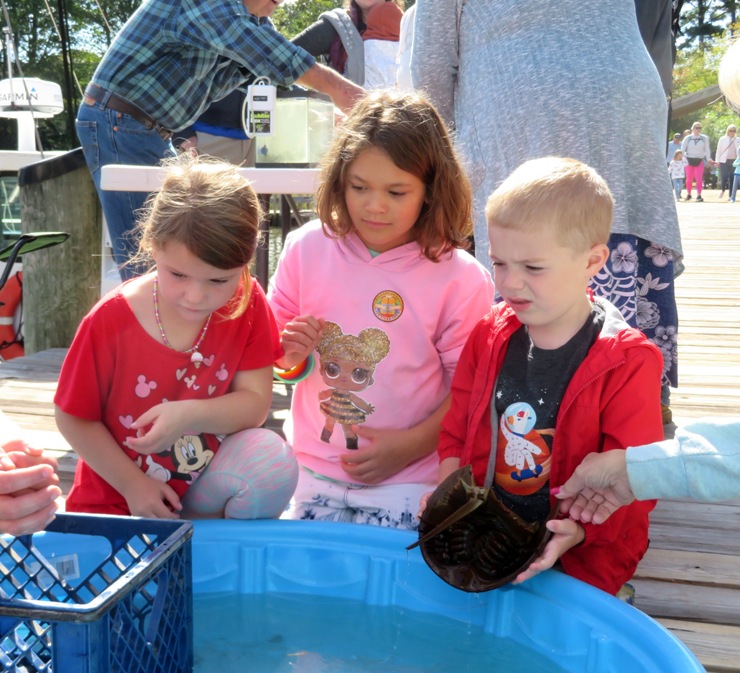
x=529, y=390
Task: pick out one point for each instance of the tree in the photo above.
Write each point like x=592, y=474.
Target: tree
x=703, y=20
x=37, y=38
x=696, y=69
x=290, y=19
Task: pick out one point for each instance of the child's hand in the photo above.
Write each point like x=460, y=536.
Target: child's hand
x=379, y=461
x=299, y=339
x=566, y=534
x=160, y=427
x=151, y=498
x=423, y=503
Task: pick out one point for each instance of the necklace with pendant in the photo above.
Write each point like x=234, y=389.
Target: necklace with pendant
x=196, y=357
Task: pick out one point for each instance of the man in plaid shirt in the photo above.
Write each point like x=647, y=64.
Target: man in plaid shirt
x=170, y=60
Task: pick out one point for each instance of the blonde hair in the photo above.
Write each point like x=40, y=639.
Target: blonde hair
x=410, y=131
x=369, y=347
x=206, y=205
x=677, y=152
x=563, y=194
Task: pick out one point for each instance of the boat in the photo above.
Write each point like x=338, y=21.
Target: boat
x=25, y=99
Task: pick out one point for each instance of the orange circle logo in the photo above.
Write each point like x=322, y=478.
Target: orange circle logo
x=387, y=306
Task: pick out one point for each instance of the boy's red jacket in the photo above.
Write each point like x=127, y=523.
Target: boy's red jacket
x=612, y=402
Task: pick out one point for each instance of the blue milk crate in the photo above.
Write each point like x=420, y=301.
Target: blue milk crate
x=98, y=594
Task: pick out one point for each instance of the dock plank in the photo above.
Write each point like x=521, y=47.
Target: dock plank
x=715, y=645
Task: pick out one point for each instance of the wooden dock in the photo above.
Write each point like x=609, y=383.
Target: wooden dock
x=689, y=580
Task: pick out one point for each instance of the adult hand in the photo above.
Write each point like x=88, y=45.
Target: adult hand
x=598, y=487
x=566, y=534
x=346, y=95
x=189, y=146
x=343, y=93
x=28, y=491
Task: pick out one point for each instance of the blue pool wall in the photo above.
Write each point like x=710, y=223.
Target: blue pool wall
x=581, y=629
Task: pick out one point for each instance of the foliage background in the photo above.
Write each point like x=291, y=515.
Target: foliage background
x=86, y=28
x=707, y=30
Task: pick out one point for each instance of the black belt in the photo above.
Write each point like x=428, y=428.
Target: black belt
x=97, y=94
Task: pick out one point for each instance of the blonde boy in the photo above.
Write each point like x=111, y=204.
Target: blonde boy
x=559, y=372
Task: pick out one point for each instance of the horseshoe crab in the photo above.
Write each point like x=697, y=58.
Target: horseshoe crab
x=470, y=539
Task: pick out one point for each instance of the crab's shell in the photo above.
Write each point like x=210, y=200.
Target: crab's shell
x=487, y=548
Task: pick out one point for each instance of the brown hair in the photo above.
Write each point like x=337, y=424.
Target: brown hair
x=564, y=194
x=410, y=131
x=206, y=205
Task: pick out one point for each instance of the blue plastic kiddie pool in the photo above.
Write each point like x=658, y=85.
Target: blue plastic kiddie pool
x=114, y=594
x=553, y=618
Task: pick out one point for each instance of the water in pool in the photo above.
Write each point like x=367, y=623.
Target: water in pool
x=290, y=633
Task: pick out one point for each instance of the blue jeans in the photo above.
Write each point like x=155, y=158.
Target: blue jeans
x=110, y=137
x=735, y=185
x=677, y=187
x=726, y=170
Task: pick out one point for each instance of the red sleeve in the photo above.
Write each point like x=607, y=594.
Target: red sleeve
x=455, y=423
x=84, y=380
x=630, y=416
x=262, y=347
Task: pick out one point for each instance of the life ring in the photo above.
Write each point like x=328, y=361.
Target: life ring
x=11, y=346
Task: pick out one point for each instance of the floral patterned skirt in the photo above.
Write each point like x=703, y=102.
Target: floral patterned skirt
x=638, y=278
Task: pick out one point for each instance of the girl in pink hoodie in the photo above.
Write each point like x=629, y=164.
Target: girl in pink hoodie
x=382, y=290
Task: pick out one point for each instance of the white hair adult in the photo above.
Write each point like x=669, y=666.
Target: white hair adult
x=729, y=75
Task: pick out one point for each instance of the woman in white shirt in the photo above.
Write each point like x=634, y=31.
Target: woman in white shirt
x=727, y=151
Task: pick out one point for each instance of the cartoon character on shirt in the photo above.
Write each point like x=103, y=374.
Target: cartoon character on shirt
x=190, y=455
x=347, y=365
x=523, y=448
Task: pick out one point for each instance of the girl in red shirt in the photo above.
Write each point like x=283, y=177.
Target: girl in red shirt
x=169, y=376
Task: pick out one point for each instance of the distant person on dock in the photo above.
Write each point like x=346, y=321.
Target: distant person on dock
x=728, y=149
x=553, y=373
x=674, y=145
x=169, y=378
x=383, y=292
x=735, y=180
x=702, y=462
x=167, y=64
x=677, y=172
x=697, y=152
x=29, y=485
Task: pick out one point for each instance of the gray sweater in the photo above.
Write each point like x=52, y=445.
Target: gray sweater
x=519, y=79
